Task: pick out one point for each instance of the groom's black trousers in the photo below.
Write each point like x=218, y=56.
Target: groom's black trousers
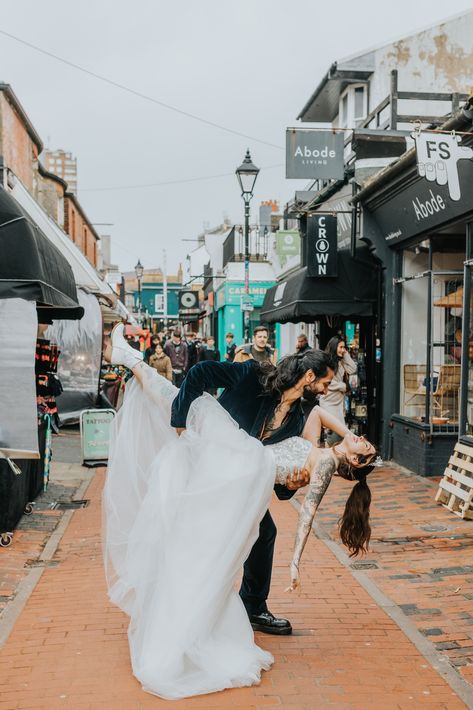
x=244, y=399
x=256, y=581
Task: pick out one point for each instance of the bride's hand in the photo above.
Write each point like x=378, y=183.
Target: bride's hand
x=297, y=479
x=295, y=578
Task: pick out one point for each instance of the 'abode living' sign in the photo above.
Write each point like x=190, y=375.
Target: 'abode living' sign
x=314, y=154
x=321, y=245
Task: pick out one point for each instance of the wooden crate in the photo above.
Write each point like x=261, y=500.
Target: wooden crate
x=456, y=487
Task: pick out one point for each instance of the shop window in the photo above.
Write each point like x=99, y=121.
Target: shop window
x=431, y=341
x=359, y=103
x=468, y=425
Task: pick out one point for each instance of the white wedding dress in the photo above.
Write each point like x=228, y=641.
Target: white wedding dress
x=180, y=517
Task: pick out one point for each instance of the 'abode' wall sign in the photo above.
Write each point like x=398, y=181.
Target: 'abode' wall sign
x=314, y=154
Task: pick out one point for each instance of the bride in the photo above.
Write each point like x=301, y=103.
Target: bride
x=181, y=514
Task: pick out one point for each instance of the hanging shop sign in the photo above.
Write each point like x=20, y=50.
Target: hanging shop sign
x=314, y=154
x=188, y=300
x=188, y=304
x=230, y=293
x=419, y=205
x=288, y=244
x=95, y=425
x=437, y=159
x=321, y=245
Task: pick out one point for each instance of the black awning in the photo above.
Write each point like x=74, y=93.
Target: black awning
x=32, y=268
x=354, y=292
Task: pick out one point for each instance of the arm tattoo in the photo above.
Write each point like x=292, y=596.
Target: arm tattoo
x=319, y=483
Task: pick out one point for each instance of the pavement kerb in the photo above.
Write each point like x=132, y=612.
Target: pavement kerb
x=439, y=662
x=27, y=585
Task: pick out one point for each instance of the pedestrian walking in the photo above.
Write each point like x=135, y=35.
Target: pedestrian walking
x=230, y=347
x=176, y=350
x=209, y=353
x=333, y=401
x=161, y=362
x=258, y=349
x=152, y=347
x=192, y=350
x=173, y=572
x=302, y=344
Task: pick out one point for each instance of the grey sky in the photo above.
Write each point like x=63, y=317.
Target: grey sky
x=249, y=65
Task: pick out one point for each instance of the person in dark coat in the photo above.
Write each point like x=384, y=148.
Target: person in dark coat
x=230, y=347
x=176, y=350
x=192, y=350
x=208, y=353
x=265, y=400
x=152, y=348
x=302, y=343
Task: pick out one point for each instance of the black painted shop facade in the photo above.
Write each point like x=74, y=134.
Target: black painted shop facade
x=424, y=240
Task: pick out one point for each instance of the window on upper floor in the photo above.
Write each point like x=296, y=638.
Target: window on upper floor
x=353, y=106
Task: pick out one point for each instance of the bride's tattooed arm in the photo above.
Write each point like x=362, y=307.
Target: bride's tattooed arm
x=320, y=480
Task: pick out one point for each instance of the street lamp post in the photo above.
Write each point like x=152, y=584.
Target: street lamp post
x=139, y=270
x=247, y=174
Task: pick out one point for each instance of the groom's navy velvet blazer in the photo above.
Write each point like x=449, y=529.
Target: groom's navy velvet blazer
x=243, y=398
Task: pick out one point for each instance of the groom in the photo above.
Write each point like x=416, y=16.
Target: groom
x=265, y=400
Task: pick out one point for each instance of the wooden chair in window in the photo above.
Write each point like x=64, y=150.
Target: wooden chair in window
x=414, y=385
x=446, y=393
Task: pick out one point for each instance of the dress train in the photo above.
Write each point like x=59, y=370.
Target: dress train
x=180, y=517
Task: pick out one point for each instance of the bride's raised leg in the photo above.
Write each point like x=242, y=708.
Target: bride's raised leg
x=119, y=352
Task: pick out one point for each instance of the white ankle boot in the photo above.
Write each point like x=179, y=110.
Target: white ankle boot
x=122, y=353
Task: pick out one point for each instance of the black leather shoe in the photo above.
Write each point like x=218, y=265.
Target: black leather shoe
x=269, y=624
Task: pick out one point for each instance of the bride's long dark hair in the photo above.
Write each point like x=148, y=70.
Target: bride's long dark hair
x=354, y=525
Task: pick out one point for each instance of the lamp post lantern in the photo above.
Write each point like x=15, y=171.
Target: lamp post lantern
x=247, y=174
x=139, y=270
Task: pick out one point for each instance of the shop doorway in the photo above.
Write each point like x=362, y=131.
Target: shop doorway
x=363, y=396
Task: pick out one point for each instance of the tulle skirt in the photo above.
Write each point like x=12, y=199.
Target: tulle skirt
x=180, y=517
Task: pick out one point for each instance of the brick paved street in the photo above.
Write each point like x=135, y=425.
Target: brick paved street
x=422, y=559
x=69, y=648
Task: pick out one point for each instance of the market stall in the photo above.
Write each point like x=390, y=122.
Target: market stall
x=37, y=286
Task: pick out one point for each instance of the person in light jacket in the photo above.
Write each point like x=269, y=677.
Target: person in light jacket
x=333, y=401
x=161, y=362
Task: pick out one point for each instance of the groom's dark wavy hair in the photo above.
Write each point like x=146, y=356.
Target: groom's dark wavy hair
x=276, y=379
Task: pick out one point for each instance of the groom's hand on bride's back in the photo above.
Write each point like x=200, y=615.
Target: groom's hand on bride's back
x=297, y=479
x=180, y=430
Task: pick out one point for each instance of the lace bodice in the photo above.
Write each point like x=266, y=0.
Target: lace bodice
x=289, y=454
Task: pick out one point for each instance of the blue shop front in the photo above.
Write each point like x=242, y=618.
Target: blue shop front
x=229, y=302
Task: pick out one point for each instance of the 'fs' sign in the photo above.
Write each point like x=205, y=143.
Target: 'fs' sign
x=437, y=159
x=322, y=245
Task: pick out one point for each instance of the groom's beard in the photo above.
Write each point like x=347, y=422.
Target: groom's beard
x=309, y=393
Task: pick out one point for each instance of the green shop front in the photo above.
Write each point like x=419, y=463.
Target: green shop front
x=230, y=300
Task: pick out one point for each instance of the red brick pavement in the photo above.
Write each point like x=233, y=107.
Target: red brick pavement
x=29, y=539
x=424, y=556
x=69, y=646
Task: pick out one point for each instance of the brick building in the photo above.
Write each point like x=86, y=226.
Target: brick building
x=79, y=228
x=20, y=148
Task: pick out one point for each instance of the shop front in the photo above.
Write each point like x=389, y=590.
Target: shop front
x=229, y=301
x=422, y=231
x=346, y=304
